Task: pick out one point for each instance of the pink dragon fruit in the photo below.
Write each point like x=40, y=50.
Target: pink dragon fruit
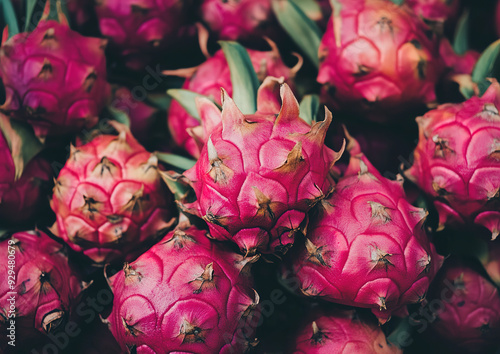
x=54, y=78
x=246, y=21
x=367, y=246
x=435, y=10
x=109, y=198
x=207, y=80
x=22, y=199
x=468, y=318
x=205, y=304
x=457, y=160
x=376, y=59
x=259, y=174
x=141, y=29
x=37, y=274
x=341, y=332
x=23, y=189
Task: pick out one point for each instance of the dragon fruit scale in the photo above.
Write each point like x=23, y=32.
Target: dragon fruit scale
x=109, y=199
x=141, y=30
x=207, y=80
x=377, y=60
x=341, y=332
x=457, y=160
x=259, y=174
x=467, y=319
x=184, y=295
x=54, y=78
x=366, y=247
x=45, y=285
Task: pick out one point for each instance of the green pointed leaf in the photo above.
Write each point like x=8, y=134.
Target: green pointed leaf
x=461, y=40
x=398, y=2
x=309, y=108
x=186, y=99
x=30, y=8
x=180, y=162
x=23, y=143
x=243, y=77
x=488, y=66
x=301, y=29
x=179, y=186
x=9, y=15
x=119, y=116
x=311, y=8
x=160, y=100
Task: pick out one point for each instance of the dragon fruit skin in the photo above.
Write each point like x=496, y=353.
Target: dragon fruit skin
x=342, y=332
x=435, y=10
x=246, y=21
x=457, y=160
x=140, y=30
x=468, y=318
x=185, y=294
x=376, y=60
x=265, y=170
x=366, y=247
x=54, y=78
x=47, y=286
x=109, y=199
x=207, y=80
x=21, y=200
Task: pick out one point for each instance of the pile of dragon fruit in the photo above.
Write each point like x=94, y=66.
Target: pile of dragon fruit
x=250, y=176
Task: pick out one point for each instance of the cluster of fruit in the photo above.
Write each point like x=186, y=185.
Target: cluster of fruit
x=151, y=207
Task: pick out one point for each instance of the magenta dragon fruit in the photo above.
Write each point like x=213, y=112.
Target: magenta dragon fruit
x=376, y=59
x=341, y=332
x=435, y=10
x=207, y=80
x=242, y=20
x=468, y=318
x=184, y=295
x=54, y=78
x=367, y=246
x=259, y=174
x=109, y=199
x=457, y=160
x=46, y=287
x=141, y=29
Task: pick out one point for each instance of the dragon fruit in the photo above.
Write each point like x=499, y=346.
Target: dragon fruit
x=435, y=10
x=37, y=274
x=110, y=200
x=376, y=59
x=205, y=305
x=259, y=174
x=457, y=160
x=207, y=80
x=141, y=30
x=21, y=200
x=246, y=21
x=468, y=317
x=54, y=78
x=366, y=247
x=491, y=262
x=342, y=332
